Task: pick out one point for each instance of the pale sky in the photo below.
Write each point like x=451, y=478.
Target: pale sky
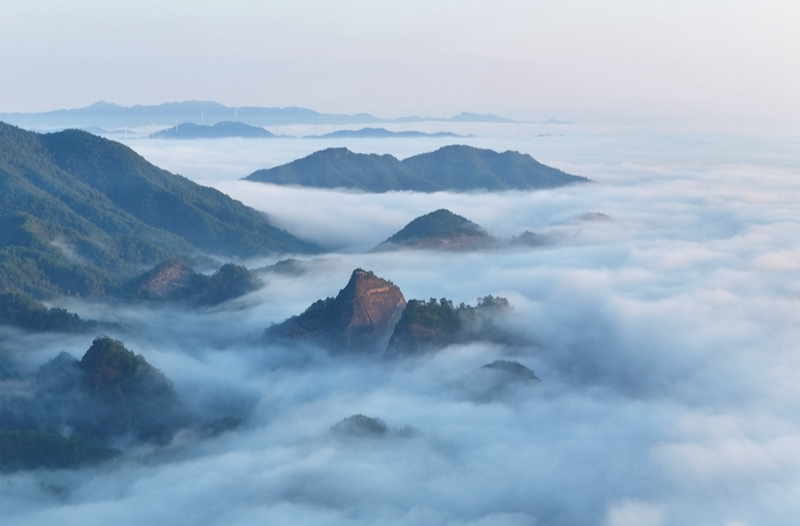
x=735, y=61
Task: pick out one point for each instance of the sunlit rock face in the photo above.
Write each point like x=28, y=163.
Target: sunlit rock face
x=171, y=279
x=359, y=319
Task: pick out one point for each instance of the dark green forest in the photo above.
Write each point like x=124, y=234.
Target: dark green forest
x=80, y=214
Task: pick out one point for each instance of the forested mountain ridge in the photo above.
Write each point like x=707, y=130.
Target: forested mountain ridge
x=451, y=168
x=78, y=213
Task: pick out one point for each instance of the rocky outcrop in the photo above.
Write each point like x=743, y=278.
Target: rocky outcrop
x=173, y=280
x=359, y=319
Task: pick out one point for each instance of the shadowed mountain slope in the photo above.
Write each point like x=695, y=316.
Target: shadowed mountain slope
x=18, y=310
x=428, y=326
x=341, y=168
x=451, y=168
x=70, y=412
x=441, y=229
x=78, y=213
x=444, y=230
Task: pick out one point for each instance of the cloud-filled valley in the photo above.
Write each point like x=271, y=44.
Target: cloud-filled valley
x=665, y=339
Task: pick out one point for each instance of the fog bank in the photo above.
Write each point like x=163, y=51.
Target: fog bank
x=665, y=339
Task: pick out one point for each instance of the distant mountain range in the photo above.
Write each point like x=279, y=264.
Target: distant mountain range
x=454, y=168
x=109, y=115
x=228, y=129
x=221, y=130
x=80, y=214
x=380, y=133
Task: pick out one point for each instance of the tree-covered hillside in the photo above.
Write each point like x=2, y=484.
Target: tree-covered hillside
x=437, y=230
x=79, y=214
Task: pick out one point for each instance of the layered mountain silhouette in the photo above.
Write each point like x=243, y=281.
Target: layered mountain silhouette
x=380, y=133
x=110, y=115
x=444, y=230
x=220, y=130
x=451, y=168
x=359, y=319
x=79, y=214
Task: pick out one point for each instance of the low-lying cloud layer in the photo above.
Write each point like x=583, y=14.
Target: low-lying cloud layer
x=665, y=339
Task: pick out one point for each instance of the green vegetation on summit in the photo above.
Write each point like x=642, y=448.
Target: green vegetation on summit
x=341, y=168
x=109, y=394
x=80, y=214
x=451, y=168
x=371, y=316
x=440, y=223
x=439, y=229
x=430, y=325
x=444, y=230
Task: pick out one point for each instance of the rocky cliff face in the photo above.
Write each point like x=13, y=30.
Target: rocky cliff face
x=360, y=319
x=170, y=279
x=173, y=280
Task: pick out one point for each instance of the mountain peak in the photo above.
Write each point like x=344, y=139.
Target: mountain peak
x=109, y=365
x=360, y=319
x=455, y=168
x=440, y=229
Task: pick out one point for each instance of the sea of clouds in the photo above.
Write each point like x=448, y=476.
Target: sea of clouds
x=666, y=341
